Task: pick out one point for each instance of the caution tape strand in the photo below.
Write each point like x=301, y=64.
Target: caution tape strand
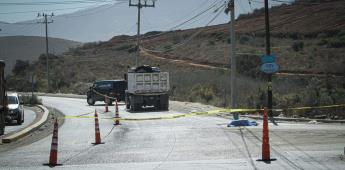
x=211, y=112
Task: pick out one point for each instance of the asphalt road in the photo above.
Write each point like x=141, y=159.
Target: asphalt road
x=29, y=117
x=183, y=143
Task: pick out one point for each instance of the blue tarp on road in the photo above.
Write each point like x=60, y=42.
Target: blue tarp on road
x=235, y=123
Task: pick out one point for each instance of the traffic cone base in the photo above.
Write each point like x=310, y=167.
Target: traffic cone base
x=52, y=165
x=117, y=121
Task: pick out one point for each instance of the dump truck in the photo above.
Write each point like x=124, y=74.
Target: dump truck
x=147, y=87
x=3, y=98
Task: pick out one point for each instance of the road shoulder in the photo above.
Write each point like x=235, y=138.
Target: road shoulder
x=42, y=129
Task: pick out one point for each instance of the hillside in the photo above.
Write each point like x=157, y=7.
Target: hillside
x=14, y=48
x=311, y=57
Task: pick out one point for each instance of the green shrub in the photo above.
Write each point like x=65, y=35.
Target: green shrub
x=244, y=39
x=335, y=43
x=297, y=46
x=211, y=43
x=322, y=42
x=30, y=100
x=124, y=47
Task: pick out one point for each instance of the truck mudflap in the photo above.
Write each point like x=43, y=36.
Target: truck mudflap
x=136, y=102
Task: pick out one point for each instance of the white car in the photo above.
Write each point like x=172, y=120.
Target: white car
x=15, y=109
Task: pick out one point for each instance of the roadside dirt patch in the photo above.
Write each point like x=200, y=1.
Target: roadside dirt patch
x=43, y=131
x=187, y=107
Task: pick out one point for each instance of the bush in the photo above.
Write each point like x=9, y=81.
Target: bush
x=335, y=43
x=211, y=43
x=322, y=42
x=297, y=46
x=244, y=39
x=30, y=100
x=124, y=47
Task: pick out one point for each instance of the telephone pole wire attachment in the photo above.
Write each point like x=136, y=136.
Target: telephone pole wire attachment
x=140, y=5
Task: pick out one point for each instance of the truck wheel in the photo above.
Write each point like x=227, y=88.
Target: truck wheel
x=157, y=105
x=128, y=105
x=19, y=120
x=137, y=107
x=2, y=131
x=90, y=101
x=110, y=102
x=23, y=117
x=165, y=105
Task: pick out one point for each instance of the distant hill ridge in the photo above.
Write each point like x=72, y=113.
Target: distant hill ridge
x=29, y=48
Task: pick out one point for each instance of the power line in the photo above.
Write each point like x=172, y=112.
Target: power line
x=185, y=22
x=199, y=14
x=96, y=10
x=54, y=2
x=59, y=9
x=219, y=11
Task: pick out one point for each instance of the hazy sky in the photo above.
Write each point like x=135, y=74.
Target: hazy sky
x=21, y=10
x=76, y=19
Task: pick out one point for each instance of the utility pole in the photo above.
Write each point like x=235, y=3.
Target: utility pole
x=46, y=22
x=231, y=9
x=268, y=52
x=140, y=5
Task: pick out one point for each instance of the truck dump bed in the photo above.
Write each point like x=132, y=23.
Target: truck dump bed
x=155, y=82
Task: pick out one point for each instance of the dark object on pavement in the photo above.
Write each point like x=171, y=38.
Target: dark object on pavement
x=235, y=123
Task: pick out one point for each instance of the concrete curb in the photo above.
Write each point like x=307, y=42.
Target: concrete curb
x=298, y=119
x=28, y=129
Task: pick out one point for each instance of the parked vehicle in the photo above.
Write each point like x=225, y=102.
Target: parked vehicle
x=112, y=88
x=3, y=98
x=15, y=109
x=147, y=86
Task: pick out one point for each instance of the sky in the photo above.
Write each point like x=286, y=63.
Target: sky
x=76, y=19
x=12, y=11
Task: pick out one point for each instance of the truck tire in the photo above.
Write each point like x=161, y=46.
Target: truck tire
x=165, y=107
x=19, y=119
x=157, y=105
x=128, y=105
x=2, y=131
x=164, y=103
x=23, y=118
x=135, y=107
x=110, y=102
x=90, y=101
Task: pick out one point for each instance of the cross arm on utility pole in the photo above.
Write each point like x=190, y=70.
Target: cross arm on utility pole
x=145, y=4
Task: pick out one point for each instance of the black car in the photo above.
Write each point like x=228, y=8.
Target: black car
x=112, y=88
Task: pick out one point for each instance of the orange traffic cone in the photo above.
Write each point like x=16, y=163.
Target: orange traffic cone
x=265, y=139
x=97, y=131
x=106, y=104
x=54, y=147
x=117, y=116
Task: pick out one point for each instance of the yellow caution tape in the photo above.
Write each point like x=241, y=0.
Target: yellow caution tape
x=211, y=112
